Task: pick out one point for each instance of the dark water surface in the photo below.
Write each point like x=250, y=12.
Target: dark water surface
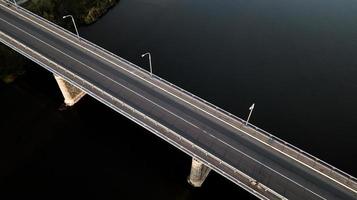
x=296, y=59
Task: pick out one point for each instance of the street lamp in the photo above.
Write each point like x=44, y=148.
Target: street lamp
x=250, y=113
x=149, y=61
x=74, y=23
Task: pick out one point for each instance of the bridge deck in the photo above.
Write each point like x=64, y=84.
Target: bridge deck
x=240, y=153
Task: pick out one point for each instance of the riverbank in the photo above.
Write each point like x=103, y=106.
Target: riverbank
x=11, y=65
x=84, y=11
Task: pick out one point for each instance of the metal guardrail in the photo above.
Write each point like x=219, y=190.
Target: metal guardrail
x=265, y=133
x=145, y=125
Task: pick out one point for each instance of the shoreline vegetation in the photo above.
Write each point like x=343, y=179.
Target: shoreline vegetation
x=85, y=12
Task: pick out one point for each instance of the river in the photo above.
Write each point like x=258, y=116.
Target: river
x=295, y=59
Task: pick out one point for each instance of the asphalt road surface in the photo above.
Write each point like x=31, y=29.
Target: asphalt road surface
x=176, y=111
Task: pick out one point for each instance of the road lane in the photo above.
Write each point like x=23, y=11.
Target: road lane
x=157, y=104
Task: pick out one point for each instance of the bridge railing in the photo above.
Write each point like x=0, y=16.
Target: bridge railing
x=205, y=155
x=265, y=133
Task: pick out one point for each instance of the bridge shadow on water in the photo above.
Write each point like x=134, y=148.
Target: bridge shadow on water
x=87, y=151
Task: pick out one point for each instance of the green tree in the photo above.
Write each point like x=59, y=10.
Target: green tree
x=85, y=12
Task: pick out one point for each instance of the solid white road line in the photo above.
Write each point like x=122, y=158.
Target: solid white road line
x=145, y=80
x=160, y=135
x=161, y=107
x=85, y=65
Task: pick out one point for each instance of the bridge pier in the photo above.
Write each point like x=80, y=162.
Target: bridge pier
x=71, y=93
x=199, y=173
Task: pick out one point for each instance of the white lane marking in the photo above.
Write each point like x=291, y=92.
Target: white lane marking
x=102, y=75
x=134, y=119
x=160, y=107
x=229, y=124
x=266, y=166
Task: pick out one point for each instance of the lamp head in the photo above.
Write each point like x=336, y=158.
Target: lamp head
x=147, y=53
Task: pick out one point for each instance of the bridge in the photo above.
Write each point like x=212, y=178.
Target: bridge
x=252, y=158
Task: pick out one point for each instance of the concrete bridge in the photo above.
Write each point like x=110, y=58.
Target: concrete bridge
x=257, y=161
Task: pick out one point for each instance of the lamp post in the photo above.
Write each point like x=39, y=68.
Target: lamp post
x=74, y=23
x=250, y=113
x=149, y=61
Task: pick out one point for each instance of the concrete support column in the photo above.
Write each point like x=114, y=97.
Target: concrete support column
x=198, y=174
x=71, y=93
